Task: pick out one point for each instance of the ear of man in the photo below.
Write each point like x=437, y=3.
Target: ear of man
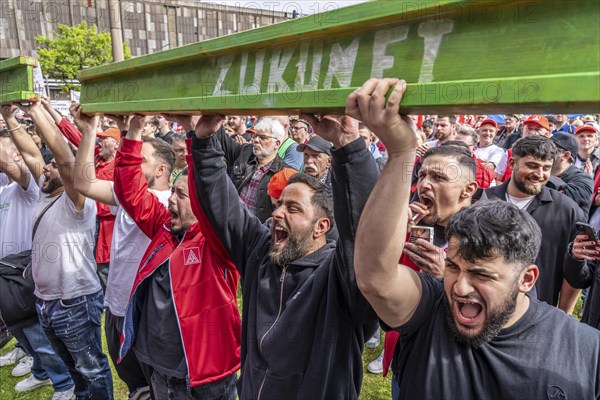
x=322, y=227
x=528, y=277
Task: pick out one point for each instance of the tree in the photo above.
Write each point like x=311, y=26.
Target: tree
x=73, y=49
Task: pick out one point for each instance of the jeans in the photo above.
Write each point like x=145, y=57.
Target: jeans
x=73, y=327
x=129, y=369
x=169, y=388
x=46, y=364
x=395, y=388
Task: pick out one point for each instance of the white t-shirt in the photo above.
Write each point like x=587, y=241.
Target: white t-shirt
x=501, y=168
x=490, y=154
x=4, y=181
x=128, y=246
x=17, y=206
x=521, y=203
x=63, y=261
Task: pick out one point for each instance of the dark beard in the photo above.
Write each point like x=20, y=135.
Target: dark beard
x=492, y=326
x=527, y=190
x=53, y=184
x=293, y=250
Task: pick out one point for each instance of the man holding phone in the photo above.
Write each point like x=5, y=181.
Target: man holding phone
x=446, y=185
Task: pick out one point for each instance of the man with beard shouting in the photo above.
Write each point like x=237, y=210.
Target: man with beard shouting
x=477, y=333
x=556, y=214
x=304, y=319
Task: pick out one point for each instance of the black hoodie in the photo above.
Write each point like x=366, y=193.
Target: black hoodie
x=304, y=324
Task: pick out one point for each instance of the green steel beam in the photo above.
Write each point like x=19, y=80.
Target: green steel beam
x=16, y=80
x=458, y=56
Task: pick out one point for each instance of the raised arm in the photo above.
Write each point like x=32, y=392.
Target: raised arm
x=65, y=159
x=237, y=228
x=393, y=290
x=29, y=151
x=67, y=129
x=354, y=173
x=86, y=182
x=11, y=165
x=131, y=187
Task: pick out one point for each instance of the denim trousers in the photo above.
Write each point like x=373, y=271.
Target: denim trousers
x=73, y=327
x=129, y=369
x=170, y=388
x=46, y=364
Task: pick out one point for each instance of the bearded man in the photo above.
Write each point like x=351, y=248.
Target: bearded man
x=477, y=333
x=304, y=319
x=556, y=214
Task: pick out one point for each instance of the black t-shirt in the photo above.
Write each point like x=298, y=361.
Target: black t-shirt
x=158, y=341
x=544, y=355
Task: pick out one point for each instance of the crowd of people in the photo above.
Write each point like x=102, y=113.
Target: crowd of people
x=466, y=239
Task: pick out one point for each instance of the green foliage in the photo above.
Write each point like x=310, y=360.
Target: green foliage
x=73, y=49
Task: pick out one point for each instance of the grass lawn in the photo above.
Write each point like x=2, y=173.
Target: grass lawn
x=8, y=382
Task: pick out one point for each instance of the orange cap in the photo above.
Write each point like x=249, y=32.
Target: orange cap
x=538, y=120
x=111, y=132
x=279, y=181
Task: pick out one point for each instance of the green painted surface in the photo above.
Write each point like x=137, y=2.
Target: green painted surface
x=16, y=79
x=458, y=56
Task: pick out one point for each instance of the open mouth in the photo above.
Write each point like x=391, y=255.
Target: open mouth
x=280, y=235
x=174, y=215
x=467, y=312
x=427, y=202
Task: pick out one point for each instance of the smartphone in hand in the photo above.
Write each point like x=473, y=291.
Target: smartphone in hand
x=421, y=232
x=586, y=229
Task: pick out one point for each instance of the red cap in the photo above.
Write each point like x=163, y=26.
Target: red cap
x=538, y=120
x=586, y=128
x=111, y=132
x=489, y=121
x=279, y=181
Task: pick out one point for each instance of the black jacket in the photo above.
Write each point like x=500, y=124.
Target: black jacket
x=575, y=184
x=17, y=301
x=587, y=276
x=556, y=214
x=303, y=325
x=241, y=164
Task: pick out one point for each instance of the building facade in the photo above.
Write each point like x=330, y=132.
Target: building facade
x=148, y=25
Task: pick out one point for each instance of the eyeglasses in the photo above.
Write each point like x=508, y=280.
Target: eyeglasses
x=262, y=137
x=297, y=128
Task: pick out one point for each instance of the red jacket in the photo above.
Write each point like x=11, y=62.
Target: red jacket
x=508, y=172
x=204, y=281
x=483, y=176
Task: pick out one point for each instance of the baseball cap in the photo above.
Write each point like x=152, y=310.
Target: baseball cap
x=538, y=120
x=489, y=121
x=586, y=128
x=588, y=118
x=298, y=119
x=111, y=132
x=279, y=181
x=566, y=142
x=318, y=144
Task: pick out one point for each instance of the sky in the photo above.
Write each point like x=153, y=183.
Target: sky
x=302, y=6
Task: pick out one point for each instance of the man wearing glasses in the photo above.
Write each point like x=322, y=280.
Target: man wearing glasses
x=252, y=165
x=299, y=131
